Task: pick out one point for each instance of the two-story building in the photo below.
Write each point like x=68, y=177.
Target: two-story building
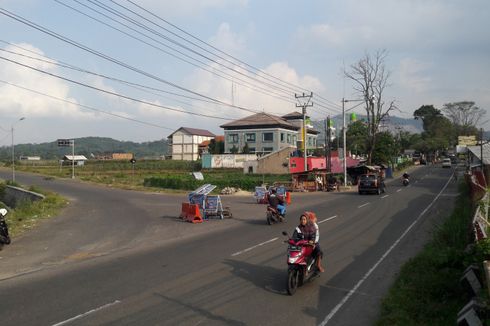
x=184, y=143
x=266, y=133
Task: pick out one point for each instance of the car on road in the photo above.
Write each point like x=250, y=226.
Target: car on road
x=446, y=163
x=370, y=183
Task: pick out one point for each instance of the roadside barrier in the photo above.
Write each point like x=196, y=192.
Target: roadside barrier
x=184, y=210
x=194, y=214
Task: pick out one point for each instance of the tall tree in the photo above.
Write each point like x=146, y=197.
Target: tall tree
x=427, y=113
x=356, y=136
x=465, y=115
x=370, y=79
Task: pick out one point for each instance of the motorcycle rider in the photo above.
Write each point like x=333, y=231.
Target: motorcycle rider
x=317, y=252
x=406, y=175
x=277, y=202
x=308, y=230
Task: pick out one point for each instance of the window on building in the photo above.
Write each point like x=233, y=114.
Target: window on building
x=267, y=149
x=250, y=138
x=252, y=149
x=295, y=140
x=289, y=138
x=233, y=138
x=310, y=141
x=267, y=137
x=283, y=137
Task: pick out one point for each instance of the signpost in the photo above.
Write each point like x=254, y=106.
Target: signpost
x=67, y=143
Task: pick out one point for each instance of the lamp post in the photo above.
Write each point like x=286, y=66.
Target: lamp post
x=13, y=150
x=344, y=159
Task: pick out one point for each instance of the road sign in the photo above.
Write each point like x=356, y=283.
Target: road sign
x=467, y=140
x=65, y=142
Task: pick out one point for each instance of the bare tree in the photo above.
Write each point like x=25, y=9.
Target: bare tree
x=370, y=80
x=465, y=115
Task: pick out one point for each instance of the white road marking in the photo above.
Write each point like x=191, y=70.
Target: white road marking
x=398, y=190
x=371, y=270
x=384, y=196
x=87, y=313
x=253, y=247
x=327, y=219
x=363, y=205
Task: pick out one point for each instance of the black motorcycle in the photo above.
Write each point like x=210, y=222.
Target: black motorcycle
x=4, y=230
x=273, y=216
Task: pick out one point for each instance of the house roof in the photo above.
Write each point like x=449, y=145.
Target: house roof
x=477, y=150
x=193, y=131
x=293, y=115
x=207, y=142
x=259, y=120
x=75, y=157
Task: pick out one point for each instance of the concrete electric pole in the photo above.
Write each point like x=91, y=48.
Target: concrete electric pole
x=304, y=133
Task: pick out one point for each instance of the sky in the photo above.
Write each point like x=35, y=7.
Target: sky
x=137, y=70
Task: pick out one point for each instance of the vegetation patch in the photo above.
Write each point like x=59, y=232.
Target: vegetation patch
x=28, y=214
x=428, y=291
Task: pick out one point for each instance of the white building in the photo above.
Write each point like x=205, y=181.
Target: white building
x=184, y=143
x=265, y=133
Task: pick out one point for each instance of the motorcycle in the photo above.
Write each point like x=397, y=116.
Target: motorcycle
x=4, y=230
x=405, y=181
x=301, y=265
x=273, y=216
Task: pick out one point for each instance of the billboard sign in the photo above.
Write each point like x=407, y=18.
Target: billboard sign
x=467, y=140
x=65, y=142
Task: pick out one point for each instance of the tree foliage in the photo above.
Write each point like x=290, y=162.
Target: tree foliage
x=465, y=116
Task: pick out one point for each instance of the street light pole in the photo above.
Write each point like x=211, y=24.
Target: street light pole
x=13, y=150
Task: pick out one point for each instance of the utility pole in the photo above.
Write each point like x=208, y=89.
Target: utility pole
x=328, y=155
x=304, y=133
x=481, y=149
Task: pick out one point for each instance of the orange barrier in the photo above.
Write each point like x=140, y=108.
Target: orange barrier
x=184, y=210
x=288, y=198
x=194, y=214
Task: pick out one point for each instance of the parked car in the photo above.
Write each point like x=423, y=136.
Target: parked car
x=370, y=182
x=446, y=163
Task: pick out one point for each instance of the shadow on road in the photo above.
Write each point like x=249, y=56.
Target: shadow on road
x=264, y=277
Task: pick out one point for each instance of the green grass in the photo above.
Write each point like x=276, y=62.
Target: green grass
x=157, y=175
x=28, y=214
x=427, y=290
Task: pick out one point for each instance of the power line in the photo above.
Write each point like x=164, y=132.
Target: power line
x=111, y=93
x=137, y=86
x=119, y=14
x=86, y=106
x=108, y=58
x=211, y=69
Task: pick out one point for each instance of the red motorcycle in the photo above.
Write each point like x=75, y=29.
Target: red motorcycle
x=301, y=265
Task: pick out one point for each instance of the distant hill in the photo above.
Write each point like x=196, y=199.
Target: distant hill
x=87, y=146
x=393, y=124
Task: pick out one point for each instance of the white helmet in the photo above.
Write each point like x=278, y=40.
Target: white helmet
x=3, y=211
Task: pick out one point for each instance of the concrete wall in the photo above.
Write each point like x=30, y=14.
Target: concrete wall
x=15, y=195
x=275, y=163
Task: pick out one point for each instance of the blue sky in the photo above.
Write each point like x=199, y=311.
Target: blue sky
x=438, y=52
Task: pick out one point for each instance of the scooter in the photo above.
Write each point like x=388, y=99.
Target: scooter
x=301, y=265
x=273, y=216
x=4, y=230
x=405, y=181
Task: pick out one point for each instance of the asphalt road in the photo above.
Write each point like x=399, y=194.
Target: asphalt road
x=118, y=257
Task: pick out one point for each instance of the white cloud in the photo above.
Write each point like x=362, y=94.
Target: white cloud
x=15, y=101
x=413, y=75
x=167, y=8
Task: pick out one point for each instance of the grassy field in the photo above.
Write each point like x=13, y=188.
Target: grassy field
x=162, y=174
x=29, y=214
